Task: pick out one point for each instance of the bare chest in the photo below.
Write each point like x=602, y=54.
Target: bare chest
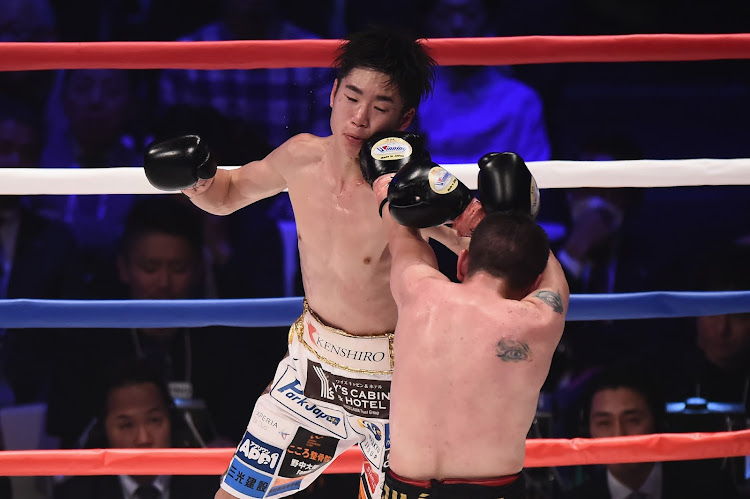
x=339, y=228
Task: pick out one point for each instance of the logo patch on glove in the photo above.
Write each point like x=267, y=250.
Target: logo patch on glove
x=441, y=180
x=391, y=148
x=534, y=208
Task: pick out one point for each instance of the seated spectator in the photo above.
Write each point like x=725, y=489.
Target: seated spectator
x=595, y=254
x=96, y=132
x=475, y=109
x=624, y=401
x=38, y=259
x=243, y=249
x=600, y=253
x=716, y=365
x=160, y=259
x=136, y=411
x=277, y=103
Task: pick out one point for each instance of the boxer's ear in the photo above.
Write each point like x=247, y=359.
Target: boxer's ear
x=334, y=89
x=406, y=119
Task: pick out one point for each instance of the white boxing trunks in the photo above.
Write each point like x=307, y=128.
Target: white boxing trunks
x=331, y=392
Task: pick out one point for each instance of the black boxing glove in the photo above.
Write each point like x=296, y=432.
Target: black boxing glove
x=423, y=194
x=386, y=152
x=506, y=184
x=178, y=163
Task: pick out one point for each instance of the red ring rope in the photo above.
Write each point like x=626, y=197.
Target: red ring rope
x=250, y=54
x=539, y=453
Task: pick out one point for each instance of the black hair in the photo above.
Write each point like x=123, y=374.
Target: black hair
x=511, y=246
x=638, y=378
x=130, y=372
x=393, y=52
x=162, y=214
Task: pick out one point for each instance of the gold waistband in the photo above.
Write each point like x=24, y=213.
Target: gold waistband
x=298, y=330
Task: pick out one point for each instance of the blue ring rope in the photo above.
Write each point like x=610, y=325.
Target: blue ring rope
x=264, y=312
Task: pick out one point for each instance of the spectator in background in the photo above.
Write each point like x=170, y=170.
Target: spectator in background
x=244, y=249
x=160, y=259
x=600, y=253
x=624, y=401
x=135, y=410
x=97, y=132
x=476, y=108
x=716, y=366
x=38, y=259
x=276, y=103
x=595, y=254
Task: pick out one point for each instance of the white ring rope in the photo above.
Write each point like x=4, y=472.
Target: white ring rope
x=548, y=174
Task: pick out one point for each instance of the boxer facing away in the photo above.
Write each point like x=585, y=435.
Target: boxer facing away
x=471, y=357
x=333, y=389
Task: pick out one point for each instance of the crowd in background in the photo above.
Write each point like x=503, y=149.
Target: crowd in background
x=162, y=247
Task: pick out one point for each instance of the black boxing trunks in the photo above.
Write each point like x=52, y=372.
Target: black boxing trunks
x=506, y=487
x=330, y=393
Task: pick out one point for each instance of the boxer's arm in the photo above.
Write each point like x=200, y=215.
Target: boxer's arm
x=551, y=290
x=231, y=190
x=412, y=258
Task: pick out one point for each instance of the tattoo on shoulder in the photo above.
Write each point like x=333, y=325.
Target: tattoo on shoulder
x=513, y=351
x=552, y=299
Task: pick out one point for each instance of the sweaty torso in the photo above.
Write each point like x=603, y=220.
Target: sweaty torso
x=342, y=245
x=468, y=368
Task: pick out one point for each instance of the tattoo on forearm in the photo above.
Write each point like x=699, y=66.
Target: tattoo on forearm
x=551, y=299
x=513, y=351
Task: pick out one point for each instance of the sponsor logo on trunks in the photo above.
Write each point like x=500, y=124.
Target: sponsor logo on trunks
x=376, y=432
x=257, y=454
x=391, y=148
x=341, y=351
x=307, y=453
x=372, y=446
x=441, y=180
x=534, y=198
x=361, y=397
x=263, y=421
x=288, y=391
x=246, y=480
x=371, y=477
x=281, y=485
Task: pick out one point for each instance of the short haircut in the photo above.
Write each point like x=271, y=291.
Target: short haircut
x=129, y=372
x=162, y=214
x=510, y=246
x=401, y=57
x=133, y=372
x=634, y=377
